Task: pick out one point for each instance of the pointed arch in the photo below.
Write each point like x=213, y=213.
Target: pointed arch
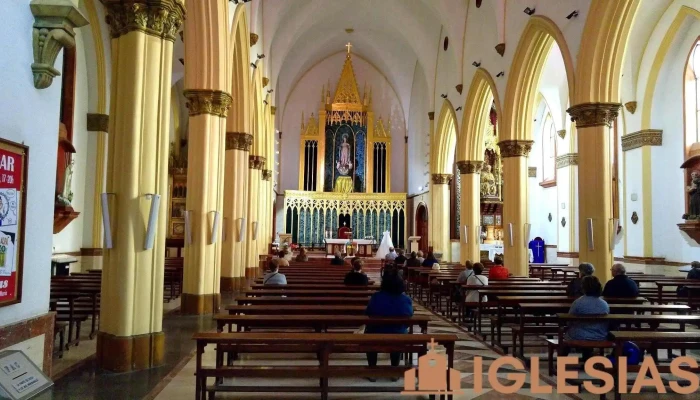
x=482, y=93
x=442, y=152
x=239, y=116
x=529, y=60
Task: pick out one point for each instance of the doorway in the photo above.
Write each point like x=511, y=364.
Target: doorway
x=422, y=226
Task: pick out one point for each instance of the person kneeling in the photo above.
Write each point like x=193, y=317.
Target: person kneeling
x=389, y=301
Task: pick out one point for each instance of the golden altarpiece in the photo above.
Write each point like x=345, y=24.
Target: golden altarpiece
x=344, y=171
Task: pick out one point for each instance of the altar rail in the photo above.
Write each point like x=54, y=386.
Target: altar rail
x=308, y=214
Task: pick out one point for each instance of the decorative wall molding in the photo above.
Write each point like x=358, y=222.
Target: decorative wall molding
x=594, y=114
x=431, y=115
x=645, y=137
x=253, y=39
x=441, y=179
x=97, y=122
x=205, y=101
x=631, y=106
x=54, y=29
x=266, y=174
x=561, y=133
x=238, y=141
x=256, y=162
x=515, y=148
x=567, y=160
x=24, y=330
x=265, y=81
x=500, y=49
x=160, y=18
x=651, y=260
x=564, y=254
x=91, y=252
x=273, y=109
x=532, y=172
x=469, y=167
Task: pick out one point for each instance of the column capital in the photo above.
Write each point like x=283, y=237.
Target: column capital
x=442, y=179
x=97, y=122
x=266, y=174
x=567, y=160
x=469, y=167
x=160, y=18
x=645, y=137
x=256, y=162
x=515, y=148
x=273, y=109
x=238, y=141
x=594, y=114
x=207, y=101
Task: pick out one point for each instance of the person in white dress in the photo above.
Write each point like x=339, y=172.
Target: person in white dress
x=385, y=246
x=472, y=296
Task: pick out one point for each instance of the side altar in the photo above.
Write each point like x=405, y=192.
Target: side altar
x=345, y=173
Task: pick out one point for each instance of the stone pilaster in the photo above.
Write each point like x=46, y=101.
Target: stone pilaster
x=470, y=209
x=440, y=221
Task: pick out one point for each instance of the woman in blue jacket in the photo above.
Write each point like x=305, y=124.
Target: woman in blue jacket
x=389, y=301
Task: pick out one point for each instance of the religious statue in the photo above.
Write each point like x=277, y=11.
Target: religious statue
x=694, y=193
x=488, y=182
x=344, y=165
x=66, y=196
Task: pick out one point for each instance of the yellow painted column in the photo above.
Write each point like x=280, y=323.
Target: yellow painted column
x=255, y=167
x=593, y=121
x=131, y=310
x=267, y=232
x=207, y=87
x=515, y=197
x=440, y=217
x=470, y=209
x=233, y=256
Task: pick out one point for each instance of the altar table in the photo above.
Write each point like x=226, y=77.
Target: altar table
x=360, y=247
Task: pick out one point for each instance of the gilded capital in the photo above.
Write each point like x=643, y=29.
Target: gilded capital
x=431, y=115
x=203, y=101
x=54, y=29
x=160, y=18
x=442, y=179
x=645, y=137
x=266, y=174
x=470, y=167
x=238, y=141
x=515, y=148
x=256, y=162
x=566, y=160
x=273, y=109
x=594, y=114
x=253, y=39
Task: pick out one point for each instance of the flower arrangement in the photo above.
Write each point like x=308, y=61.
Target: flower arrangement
x=294, y=247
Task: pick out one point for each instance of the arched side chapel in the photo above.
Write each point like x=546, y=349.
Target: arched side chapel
x=605, y=99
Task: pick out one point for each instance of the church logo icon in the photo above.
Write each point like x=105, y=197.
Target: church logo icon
x=432, y=378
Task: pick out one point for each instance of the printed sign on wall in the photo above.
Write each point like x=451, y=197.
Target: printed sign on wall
x=13, y=169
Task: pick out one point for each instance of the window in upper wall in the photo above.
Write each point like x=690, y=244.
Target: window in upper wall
x=692, y=97
x=549, y=150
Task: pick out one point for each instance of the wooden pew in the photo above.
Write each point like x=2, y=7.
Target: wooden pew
x=279, y=300
x=319, y=323
x=308, y=293
x=315, y=286
x=297, y=309
x=323, y=345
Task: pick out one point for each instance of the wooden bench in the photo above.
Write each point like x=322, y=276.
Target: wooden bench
x=320, y=344
x=279, y=300
x=308, y=293
x=319, y=323
x=297, y=310
x=315, y=286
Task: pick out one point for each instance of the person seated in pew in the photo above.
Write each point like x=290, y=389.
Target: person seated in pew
x=694, y=273
x=498, y=271
x=400, y=258
x=575, y=288
x=430, y=260
x=338, y=259
x=356, y=276
x=274, y=277
x=420, y=258
x=302, y=256
x=281, y=260
x=391, y=255
x=472, y=296
x=389, y=301
x=390, y=269
x=620, y=285
x=589, y=304
x=413, y=261
x=468, y=271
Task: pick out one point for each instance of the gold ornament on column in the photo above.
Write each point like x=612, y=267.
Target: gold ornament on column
x=631, y=106
x=265, y=81
x=238, y=141
x=253, y=39
x=266, y=174
x=256, y=162
x=442, y=179
x=561, y=133
x=469, y=167
x=594, y=114
x=202, y=101
x=515, y=148
x=160, y=18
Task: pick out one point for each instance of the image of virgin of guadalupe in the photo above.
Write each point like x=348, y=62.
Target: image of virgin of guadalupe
x=344, y=163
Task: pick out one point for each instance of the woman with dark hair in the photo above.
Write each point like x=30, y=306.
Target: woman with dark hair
x=389, y=301
x=430, y=260
x=589, y=304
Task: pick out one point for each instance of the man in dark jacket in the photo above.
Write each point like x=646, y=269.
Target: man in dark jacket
x=575, y=288
x=356, y=276
x=400, y=259
x=620, y=285
x=413, y=261
x=338, y=259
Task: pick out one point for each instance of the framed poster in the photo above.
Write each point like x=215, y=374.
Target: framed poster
x=13, y=183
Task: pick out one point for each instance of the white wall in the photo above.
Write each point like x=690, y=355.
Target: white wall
x=30, y=116
x=306, y=97
x=418, y=135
